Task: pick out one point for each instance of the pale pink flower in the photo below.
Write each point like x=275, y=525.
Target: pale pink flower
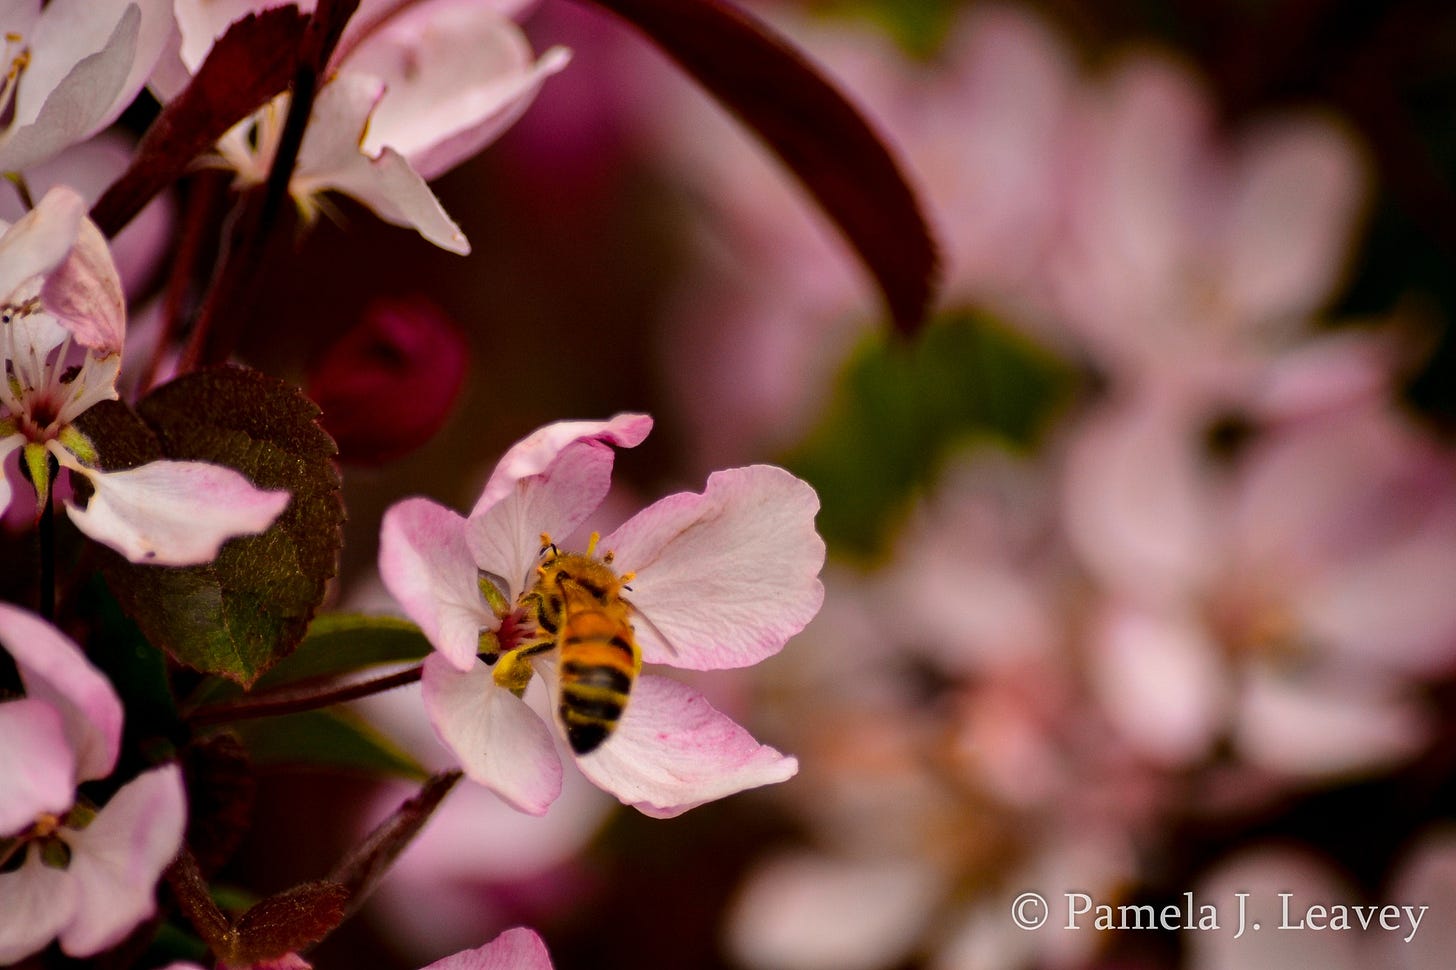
x=1423, y=879
x=72, y=66
x=85, y=876
x=62, y=323
x=1192, y=261
x=721, y=579
x=1288, y=601
x=415, y=88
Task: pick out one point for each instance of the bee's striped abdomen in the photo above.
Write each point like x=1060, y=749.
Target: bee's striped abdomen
x=599, y=662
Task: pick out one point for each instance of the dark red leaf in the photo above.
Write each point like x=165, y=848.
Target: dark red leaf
x=287, y=922
x=776, y=91
x=250, y=64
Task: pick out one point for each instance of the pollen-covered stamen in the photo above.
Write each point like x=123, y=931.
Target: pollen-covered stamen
x=18, y=58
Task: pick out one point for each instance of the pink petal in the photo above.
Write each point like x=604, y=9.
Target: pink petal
x=39, y=901
x=36, y=762
x=726, y=577
x=40, y=240
x=517, y=949
x=80, y=67
x=171, y=513
x=1264, y=873
x=117, y=859
x=810, y=911
x=535, y=452
x=673, y=751
x=332, y=157
x=1307, y=728
x=505, y=538
x=84, y=293
x=1299, y=186
x=500, y=742
x=1137, y=498
x=427, y=567
x=457, y=74
x=54, y=670
x=7, y=490
x=1159, y=676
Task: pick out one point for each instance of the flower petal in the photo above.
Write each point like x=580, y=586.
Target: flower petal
x=54, y=670
x=117, y=859
x=726, y=577
x=79, y=67
x=427, y=567
x=807, y=911
x=40, y=240
x=673, y=751
x=517, y=949
x=36, y=762
x=84, y=293
x=171, y=513
x=332, y=158
x=535, y=452
x=39, y=900
x=456, y=73
x=501, y=743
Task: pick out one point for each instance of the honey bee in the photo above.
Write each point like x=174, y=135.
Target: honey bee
x=578, y=607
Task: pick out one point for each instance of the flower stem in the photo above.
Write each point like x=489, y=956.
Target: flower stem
x=47, y=531
x=292, y=700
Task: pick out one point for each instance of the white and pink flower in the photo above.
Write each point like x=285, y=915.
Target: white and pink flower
x=415, y=88
x=62, y=324
x=71, y=67
x=85, y=876
x=720, y=579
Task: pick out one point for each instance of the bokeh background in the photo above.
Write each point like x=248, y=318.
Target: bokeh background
x=1142, y=553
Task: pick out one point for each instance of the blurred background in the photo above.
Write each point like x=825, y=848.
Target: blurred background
x=1142, y=553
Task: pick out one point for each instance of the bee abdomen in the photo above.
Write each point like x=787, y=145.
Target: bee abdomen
x=598, y=666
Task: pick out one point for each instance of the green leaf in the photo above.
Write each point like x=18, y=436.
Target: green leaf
x=340, y=643
x=244, y=612
x=332, y=738
x=900, y=411
x=336, y=643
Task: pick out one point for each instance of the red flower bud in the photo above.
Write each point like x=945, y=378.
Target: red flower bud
x=388, y=384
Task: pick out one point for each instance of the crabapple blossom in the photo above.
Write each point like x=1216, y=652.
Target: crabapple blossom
x=62, y=324
x=718, y=579
x=72, y=66
x=73, y=872
x=414, y=89
x=1289, y=602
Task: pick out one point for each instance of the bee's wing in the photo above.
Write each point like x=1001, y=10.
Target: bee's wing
x=639, y=616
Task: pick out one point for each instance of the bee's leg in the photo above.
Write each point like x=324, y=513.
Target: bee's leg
x=513, y=670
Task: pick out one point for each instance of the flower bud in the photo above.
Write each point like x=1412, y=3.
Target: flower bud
x=388, y=384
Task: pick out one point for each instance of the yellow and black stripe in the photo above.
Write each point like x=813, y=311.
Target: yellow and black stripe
x=599, y=662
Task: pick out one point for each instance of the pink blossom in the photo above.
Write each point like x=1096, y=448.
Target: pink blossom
x=72, y=66
x=62, y=300
x=85, y=875
x=415, y=88
x=1289, y=601
x=719, y=579
x=1190, y=260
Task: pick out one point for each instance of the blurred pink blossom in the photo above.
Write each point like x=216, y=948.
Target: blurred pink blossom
x=1288, y=600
